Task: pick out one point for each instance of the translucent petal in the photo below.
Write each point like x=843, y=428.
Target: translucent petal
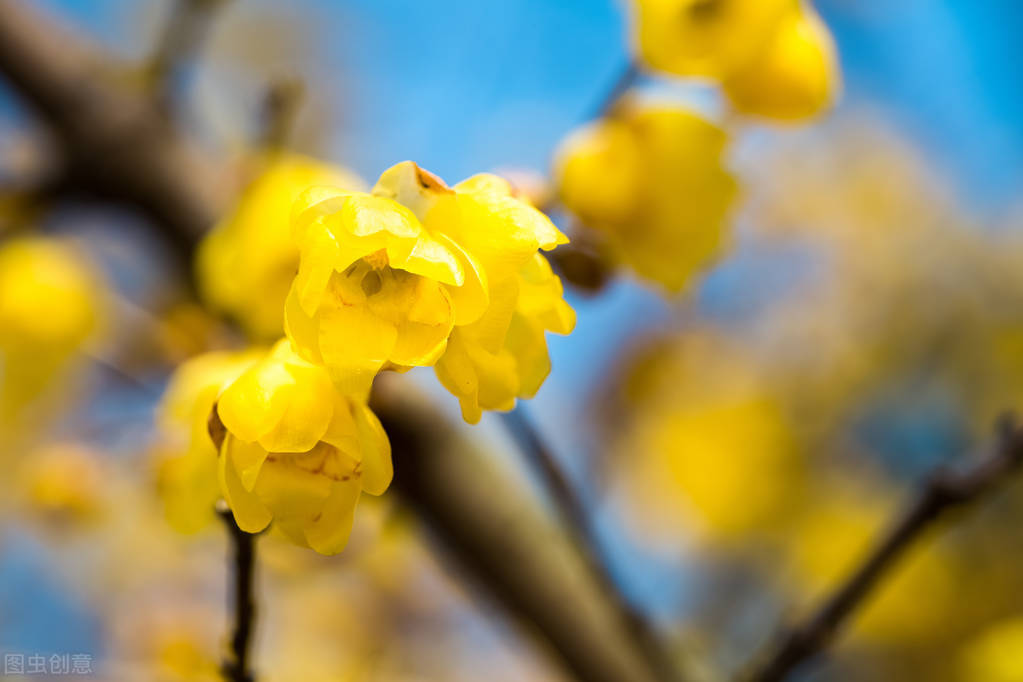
x=377, y=469
x=354, y=344
x=329, y=533
x=249, y=512
x=254, y=404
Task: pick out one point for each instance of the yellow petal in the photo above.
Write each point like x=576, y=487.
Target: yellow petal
x=246, y=458
x=527, y=345
x=377, y=469
x=249, y=513
x=308, y=413
x=470, y=300
x=320, y=256
x=354, y=344
x=329, y=533
x=254, y=404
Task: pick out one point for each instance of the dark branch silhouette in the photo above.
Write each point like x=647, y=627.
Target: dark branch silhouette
x=243, y=602
x=946, y=490
x=574, y=514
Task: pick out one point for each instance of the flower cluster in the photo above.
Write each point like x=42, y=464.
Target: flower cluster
x=412, y=274
x=772, y=58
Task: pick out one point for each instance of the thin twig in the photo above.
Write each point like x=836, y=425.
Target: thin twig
x=183, y=35
x=573, y=513
x=236, y=667
x=947, y=489
x=625, y=80
x=280, y=108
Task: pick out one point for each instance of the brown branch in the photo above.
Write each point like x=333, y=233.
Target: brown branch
x=243, y=602
x=946, y=490
x=494, y=528
x=573, y=513
x=183, y=35
x=114, y=142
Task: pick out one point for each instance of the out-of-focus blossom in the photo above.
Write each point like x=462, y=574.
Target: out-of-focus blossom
x=703, y=431
x=246, y=264
x=651, y=180
x=298, y=452
x=388, y=278
x=994, y=654
x=51, y=302
x=795, y=77
x=712, y=38
x=773, y=58
x=186, y=457
x=63, y=483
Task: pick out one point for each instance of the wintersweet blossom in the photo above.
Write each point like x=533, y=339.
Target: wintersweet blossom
x=416, y=272
x=710, y=38
x=795, y=77
x=773, y=58
x=651, y=180
x=245, y=265
x=296, y=451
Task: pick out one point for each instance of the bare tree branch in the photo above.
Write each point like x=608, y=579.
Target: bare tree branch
x=243, y=600
x=114, y=142
x=946, y=490
x=495, y=529
x=574, y=514
x=182, y=37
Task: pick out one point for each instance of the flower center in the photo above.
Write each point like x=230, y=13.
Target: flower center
x=377, y=260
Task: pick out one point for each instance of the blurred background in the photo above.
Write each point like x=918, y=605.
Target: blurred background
x=738, y=445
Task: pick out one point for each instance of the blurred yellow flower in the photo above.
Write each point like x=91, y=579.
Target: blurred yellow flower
x=245, y=265
x=51, y=302
x=64, y=482
x=712, y=38
x=386, y=277
x=651, y=180
x=796, y=75
x=704, y=431
x=298, y=452
x=186, y=457
x=995, y=655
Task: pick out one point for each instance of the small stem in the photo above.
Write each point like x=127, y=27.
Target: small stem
x=626, y=79
x=573, y=513
x=236, y=669
x=944, y=491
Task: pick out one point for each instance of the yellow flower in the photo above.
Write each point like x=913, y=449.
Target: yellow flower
x=64, y=482
x=51, y=302
x=705, y=429
x=712, y=38
x=795, y=77
x=503, y=356
x=651, y=180
x=994, y=655
x=385, y=277
x=186, y=457
x=247, y=262
x=298, y=452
